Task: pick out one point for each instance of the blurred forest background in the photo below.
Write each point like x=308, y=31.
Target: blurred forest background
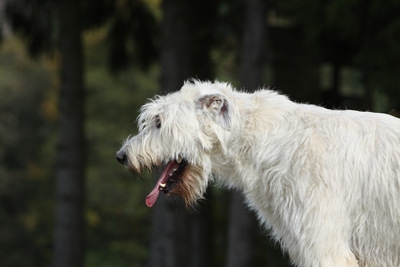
x=73, y=75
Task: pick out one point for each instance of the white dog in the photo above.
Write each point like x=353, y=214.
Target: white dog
x=327, y=183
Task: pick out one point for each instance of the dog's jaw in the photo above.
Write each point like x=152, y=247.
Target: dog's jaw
x=169, y=179
x=183, y=179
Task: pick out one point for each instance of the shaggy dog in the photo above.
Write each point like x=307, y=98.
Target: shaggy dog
x=327, y=183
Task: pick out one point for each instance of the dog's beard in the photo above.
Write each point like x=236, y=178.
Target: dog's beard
x=179, y=178
x=168, y=180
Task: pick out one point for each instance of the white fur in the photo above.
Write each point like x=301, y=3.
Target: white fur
x=327, y=183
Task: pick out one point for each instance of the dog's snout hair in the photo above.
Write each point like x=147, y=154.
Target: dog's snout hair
x=326, y=183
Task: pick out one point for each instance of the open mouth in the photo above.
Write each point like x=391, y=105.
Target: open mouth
x=168, y=180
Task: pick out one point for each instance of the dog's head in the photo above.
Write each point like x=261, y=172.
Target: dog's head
x=181, y=132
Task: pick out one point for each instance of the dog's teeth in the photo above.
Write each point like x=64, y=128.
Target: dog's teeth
x=174, y=170
x=179, y=160
x=163, y=185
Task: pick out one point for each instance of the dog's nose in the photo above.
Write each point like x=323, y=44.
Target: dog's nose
x=121, y=157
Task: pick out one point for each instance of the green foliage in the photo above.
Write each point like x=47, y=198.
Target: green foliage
x=358, y=33
x=36, y=22
x=26, y=198
x=116, y=215
x=362, y=34
x=117, y=219
x=132, y=27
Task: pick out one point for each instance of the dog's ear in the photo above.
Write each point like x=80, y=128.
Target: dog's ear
x=218, y=106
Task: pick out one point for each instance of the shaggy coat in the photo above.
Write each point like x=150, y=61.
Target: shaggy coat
x=326, y=183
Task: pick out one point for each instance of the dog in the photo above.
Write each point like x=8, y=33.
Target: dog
x=325, y=182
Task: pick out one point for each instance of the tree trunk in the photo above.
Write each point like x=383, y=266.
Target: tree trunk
x=162, y=245
x=180, y=238
x=296, y=65
x=254, y=44
x=175, y=56
x=241, y=221
x=203, y=238
x=240, y=233
x=170, y=238
x=69, y=228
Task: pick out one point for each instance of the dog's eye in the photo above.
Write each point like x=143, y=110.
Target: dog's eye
x=158, y=122
x=142, y=125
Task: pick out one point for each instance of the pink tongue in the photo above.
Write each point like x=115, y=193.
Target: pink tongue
x=152, y=197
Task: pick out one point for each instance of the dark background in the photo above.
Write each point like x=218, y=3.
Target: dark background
x=73, y=75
